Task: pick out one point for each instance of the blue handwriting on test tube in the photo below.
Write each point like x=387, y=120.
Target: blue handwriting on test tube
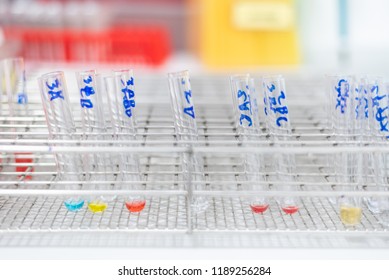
x=54, y=90
x=379, y=116
x=128, y=96
x=382, y=119
x=22, y=98
x=87, y=91
x=360, y=101
x=341, y=100
x=276, y=105
x=188, y=95
x=245, y=106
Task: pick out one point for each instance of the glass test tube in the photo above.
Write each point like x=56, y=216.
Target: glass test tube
x=380, y=135
x=248, y=128
x=121, y=94
x=346, y=118
x=61, y=126
x=254, y=98
x=94, y=128
x=15, y=85
x=278, y=124
x=364, y=118
x=186, y=130
x=363, y=132
x=13, y=82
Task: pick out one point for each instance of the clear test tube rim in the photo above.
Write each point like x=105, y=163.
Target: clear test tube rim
x=175, y=106
x=123, y=70
x=64, y=91
x=273, y=77
x=80, y=74
x=10, y=59
x=52, y=73
x=336, y=75
x=182, y=73
x=6, y=62
x=375, y=79
x=83, y=72
x=117, y=74
x=96, y=74
x=240, y=76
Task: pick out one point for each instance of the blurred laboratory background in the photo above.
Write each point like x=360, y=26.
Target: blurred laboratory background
x=213, y=34
x=215, y=40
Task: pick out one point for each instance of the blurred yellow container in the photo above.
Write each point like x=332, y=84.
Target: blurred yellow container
x=229, y=33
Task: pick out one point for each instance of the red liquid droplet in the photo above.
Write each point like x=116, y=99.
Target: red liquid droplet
x=24, y=159
x=136, y=206
x=290, y=209
x=259, y=208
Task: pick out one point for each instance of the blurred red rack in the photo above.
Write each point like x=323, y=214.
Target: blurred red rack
x=129, y=44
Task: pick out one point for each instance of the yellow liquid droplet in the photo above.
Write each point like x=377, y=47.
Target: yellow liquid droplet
x=350, y=215
x=97, y=206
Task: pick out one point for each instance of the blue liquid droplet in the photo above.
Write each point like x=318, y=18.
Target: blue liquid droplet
x=74, y=204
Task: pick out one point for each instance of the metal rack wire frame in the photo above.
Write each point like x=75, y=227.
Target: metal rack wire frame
x=22, y=201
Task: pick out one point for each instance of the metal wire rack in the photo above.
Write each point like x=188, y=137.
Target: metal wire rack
x=32, y=191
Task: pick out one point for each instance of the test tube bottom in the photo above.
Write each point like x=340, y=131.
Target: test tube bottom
x=259, y=208
x=135, y=206
x=97, y=206
x=290, y=209
x=74, y=204
x=350, y=215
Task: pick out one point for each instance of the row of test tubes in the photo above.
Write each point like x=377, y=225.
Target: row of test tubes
x=358, y=108
x=121, y=96
x=246, y=100
x=120, y=91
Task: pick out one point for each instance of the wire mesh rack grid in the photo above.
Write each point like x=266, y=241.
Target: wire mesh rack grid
x=32, y=190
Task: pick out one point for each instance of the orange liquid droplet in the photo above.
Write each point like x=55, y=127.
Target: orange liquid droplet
x=136, y=206
x=290, y=209
x=259, y=208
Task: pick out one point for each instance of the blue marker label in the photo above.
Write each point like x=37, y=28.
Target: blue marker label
x=85, y=92
x=244, y=107
x=189, y=109
x=343, y=90
x=22, y=98
x=276, y=106
x=54, y=91
x=380, y=103
x=362, y=103
x=128, y=96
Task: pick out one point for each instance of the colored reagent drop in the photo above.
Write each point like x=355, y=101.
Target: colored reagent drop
x=97, y=206
x=136, y=205
x=290, y=209
x=74, y=205
x=259, y=209
x=350, y=215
